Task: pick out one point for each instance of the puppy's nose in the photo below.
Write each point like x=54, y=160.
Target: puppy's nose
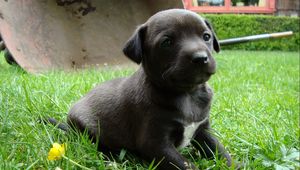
x=200, y=58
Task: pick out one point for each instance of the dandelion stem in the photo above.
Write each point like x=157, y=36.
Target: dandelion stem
x=75, y=163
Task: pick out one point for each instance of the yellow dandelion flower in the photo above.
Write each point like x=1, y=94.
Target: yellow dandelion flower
x=56, y=152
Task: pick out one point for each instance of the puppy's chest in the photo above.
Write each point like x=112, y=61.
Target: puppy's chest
x=195, y=113
x=193, y=109
x=189, y=131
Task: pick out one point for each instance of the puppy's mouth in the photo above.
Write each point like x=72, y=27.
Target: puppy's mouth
x=188, y=83
x=185, y=79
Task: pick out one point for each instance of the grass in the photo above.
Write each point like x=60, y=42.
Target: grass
x=255, y=114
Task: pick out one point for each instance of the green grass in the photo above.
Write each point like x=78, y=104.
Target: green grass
x=255, y=113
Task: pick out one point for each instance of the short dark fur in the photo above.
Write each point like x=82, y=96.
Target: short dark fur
x=146, y=113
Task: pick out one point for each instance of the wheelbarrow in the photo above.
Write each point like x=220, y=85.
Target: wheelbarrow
x=64, y=34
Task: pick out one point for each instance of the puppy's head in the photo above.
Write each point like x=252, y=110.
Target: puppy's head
x=175, y=48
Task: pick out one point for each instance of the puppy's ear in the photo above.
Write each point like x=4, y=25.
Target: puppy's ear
x=215, y=39
x=133, y=48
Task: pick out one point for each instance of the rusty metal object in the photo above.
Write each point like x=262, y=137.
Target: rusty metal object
x=65, y=34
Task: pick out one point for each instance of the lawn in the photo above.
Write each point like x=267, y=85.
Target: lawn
x=255, y=113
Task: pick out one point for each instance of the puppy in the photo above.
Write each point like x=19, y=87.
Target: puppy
x=165, y=104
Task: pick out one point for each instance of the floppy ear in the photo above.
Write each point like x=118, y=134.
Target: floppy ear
x=133, y=48
x=215, y=39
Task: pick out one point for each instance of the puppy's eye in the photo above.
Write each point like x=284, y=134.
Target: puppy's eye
x=166, y=42
x=206, y=37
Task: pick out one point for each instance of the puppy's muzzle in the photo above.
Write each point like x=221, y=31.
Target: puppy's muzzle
x=200, y=58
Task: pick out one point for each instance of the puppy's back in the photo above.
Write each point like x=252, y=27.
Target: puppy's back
x=105, y=112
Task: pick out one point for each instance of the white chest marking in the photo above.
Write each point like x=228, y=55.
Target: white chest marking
x=189, y=131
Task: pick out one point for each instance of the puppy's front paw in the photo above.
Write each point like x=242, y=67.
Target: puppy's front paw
x=232, y=163
x=238, y=165
x=190, y=166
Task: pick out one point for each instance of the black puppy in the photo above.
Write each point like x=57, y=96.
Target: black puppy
x=166, y=102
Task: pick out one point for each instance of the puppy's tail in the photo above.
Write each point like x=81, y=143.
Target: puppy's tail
x=54, y=122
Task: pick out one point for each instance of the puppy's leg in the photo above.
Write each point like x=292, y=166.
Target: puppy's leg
x=167, y=156
x=208, y=145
